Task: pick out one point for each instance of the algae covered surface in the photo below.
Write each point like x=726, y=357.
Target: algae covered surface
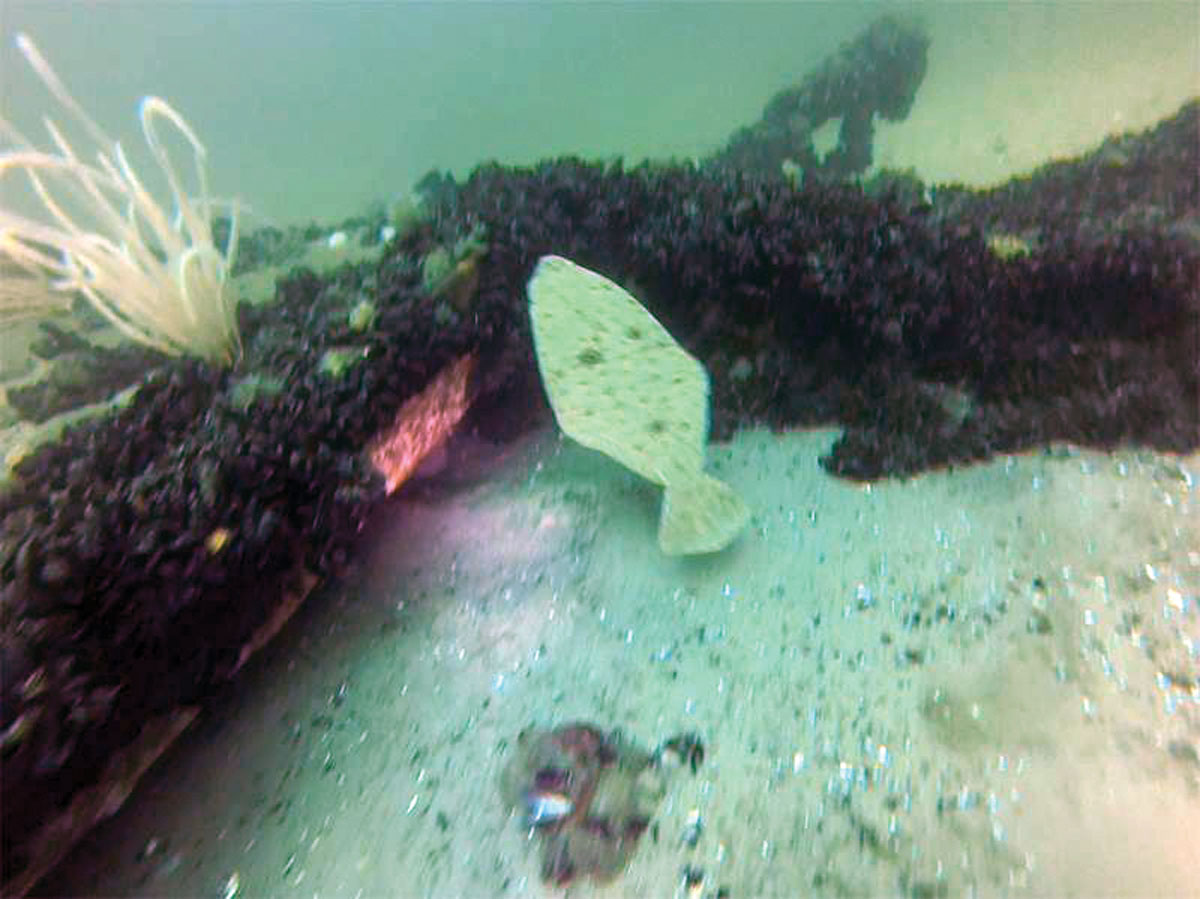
x=955, y=650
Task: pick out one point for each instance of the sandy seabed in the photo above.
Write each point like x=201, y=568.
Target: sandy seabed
x=974, y=682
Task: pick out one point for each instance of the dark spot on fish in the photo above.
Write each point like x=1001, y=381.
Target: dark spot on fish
x=590, y=356
x=633, y=333
x=657, y=426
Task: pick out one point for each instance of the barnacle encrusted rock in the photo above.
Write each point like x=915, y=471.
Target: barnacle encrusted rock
x=619, y=383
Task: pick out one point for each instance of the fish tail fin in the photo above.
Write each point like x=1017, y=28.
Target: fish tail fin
x=700, y=515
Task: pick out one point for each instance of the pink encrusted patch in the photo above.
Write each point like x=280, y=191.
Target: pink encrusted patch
x=423, y=424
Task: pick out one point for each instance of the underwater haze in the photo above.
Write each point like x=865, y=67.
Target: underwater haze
x=975, y=676
x=312, y=111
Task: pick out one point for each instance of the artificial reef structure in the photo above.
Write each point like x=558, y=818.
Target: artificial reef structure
x=146, y=554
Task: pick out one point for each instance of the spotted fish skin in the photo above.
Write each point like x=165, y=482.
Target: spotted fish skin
x=618, y=382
